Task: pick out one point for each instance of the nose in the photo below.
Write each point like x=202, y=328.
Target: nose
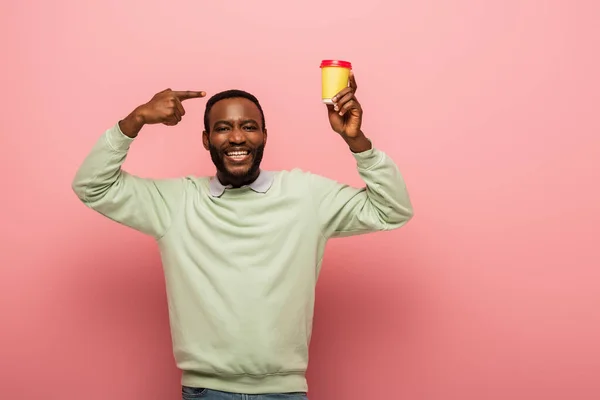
x=237, y=136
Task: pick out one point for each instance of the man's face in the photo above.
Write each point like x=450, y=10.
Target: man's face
x=236, y=140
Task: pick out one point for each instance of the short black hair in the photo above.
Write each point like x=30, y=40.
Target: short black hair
x=231, y=94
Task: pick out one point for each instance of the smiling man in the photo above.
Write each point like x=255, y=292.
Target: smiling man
x=242, y=250
x=235, y=134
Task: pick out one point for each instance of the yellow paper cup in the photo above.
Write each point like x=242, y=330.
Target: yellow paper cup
x=334, y=77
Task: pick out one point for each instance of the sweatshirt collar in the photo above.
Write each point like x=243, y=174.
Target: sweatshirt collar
x=260, y=185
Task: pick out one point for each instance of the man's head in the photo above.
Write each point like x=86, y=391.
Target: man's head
x=235, y=134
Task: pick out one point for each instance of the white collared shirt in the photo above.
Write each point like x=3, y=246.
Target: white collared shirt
x=261, y=184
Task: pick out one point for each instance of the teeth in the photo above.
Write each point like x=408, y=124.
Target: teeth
x=237, y=153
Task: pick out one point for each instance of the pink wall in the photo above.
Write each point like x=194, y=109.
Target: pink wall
x=490, y=109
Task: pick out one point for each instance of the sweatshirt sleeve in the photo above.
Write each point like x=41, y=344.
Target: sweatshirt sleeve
x=383, y=204
x=145, y=205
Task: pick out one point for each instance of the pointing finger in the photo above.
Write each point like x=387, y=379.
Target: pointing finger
x=188, y=94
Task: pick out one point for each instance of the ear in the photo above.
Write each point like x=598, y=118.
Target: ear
x=265, y=136
x=205, y=140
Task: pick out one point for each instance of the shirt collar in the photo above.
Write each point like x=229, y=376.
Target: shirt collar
x=260, y=185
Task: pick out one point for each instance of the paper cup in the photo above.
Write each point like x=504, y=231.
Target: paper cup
x=334, y=78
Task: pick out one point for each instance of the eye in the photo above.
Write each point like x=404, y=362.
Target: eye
x=250, y=127
x=221, y=128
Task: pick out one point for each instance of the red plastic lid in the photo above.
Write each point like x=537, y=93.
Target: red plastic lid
x=336, y=63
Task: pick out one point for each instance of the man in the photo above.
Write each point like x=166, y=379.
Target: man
x=242, y=250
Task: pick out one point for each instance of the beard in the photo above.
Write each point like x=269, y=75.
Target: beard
x=218, y=158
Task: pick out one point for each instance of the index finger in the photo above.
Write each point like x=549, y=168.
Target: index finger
x=188, y=94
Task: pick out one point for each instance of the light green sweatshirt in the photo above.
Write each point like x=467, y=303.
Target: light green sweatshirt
x=241, y=267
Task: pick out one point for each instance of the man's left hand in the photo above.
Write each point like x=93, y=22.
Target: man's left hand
x=345, y=117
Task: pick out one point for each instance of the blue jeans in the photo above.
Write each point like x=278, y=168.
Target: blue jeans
x=189, y=393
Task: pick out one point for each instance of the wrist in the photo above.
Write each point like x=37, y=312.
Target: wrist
x=359, y=143
x=133, y=123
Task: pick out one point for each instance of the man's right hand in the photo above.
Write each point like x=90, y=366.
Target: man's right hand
x=164, y=108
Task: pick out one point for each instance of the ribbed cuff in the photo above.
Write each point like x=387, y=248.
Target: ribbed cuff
x=117, y=139
x=369, y=158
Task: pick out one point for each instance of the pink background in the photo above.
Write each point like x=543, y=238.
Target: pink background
x=490, y=109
